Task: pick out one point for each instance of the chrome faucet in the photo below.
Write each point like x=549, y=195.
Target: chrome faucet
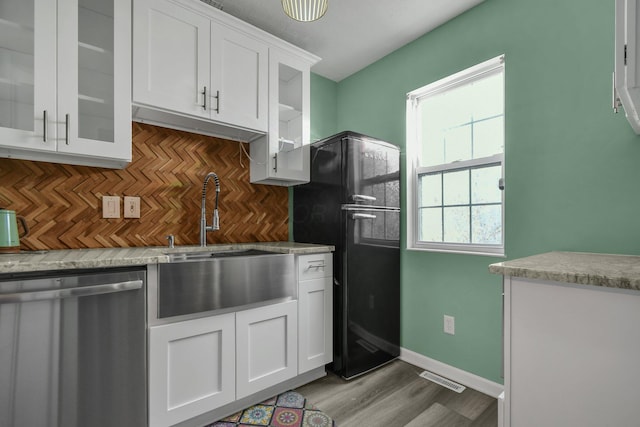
x=203, y=216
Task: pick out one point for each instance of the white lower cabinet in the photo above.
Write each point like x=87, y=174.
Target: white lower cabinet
x=571, y=354
x=191, y=368
x=197, y=366
x=266, y=347
x=315, y=311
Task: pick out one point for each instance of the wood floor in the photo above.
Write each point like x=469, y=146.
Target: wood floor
x=395, y=396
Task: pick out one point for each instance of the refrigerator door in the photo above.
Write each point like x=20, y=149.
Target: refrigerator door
x=370, y=321
x=372, y=172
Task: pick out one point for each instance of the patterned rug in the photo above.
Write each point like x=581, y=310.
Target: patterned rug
x=288, y=409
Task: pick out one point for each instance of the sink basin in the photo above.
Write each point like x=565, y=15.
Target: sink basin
x=196, y=282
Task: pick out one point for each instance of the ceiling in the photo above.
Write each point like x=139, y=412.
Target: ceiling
x=353, y=33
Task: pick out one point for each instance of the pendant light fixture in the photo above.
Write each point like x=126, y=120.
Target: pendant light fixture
x=305, y=10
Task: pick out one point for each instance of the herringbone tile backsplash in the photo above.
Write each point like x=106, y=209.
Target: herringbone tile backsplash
x=63, y=204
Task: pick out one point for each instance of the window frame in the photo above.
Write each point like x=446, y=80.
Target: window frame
x=479, y=71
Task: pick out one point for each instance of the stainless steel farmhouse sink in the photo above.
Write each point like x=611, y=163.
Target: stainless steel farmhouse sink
x=196, y=282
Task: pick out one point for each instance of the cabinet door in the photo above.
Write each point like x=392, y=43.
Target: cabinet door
x=290, y=128
x=94, y=89
x=315, y=316
x=191, y=368
x=266, y=347
x=28, y=74
x=573, y=351
x=239, y=79
x=171, y=54
x=283, y=155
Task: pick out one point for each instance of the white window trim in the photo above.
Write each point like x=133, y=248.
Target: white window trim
x=413, y=170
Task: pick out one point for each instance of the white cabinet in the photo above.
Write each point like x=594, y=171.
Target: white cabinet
x=315, y=311
x=192, y=71
x=191, y=368
x=571, y=354
x=171, y=49
x=239, y=73
x=627, y=59
x=65, y=81
x=266, y=347
x=282, y=156
x=199, y=69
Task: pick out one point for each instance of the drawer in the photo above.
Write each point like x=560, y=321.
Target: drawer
x=315, y=266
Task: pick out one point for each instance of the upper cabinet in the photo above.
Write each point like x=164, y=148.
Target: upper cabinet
x=282, y=156
x=199, y=69
x=65, y=81
x=239, y=76
x=171, y=57
x=627, y=60
x=192, y=71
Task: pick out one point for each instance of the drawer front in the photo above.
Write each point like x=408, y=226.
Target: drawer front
x=315, y=266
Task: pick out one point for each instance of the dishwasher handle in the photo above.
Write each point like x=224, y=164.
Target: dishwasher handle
x=70, y=292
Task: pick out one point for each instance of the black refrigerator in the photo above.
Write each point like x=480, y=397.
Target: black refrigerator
x=353, y=202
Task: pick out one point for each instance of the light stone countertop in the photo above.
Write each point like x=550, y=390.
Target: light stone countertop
x=612, y=271
x=123, y=257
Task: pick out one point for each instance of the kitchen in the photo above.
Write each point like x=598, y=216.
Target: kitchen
x=570, y=170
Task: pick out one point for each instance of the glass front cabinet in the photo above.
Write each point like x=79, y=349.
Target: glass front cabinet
x=65, y=81
x=282, y=156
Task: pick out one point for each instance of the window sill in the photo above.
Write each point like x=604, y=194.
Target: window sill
x=457, y=251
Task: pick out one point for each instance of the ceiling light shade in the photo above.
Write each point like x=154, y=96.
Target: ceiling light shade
x=305, y=10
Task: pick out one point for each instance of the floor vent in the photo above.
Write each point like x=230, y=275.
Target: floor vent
x=458, y=388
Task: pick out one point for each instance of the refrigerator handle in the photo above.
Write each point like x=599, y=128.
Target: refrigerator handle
x=362, y=198
x=362, y=216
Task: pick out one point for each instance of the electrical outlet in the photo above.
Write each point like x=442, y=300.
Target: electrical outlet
x=449, y=325
x=131, y=207
x=110, y=206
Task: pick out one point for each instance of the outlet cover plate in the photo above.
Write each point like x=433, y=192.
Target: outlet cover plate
x=449, y=325
x=131, y=207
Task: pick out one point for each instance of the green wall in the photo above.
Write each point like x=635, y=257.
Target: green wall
x=572, y=166
x=324, y=111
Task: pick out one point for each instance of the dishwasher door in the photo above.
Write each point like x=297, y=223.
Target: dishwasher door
x=73, y=349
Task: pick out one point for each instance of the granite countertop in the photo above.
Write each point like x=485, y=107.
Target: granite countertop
x=123, y=257
x=612, y=271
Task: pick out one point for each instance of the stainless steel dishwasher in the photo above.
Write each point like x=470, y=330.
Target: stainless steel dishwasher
x=73, y=349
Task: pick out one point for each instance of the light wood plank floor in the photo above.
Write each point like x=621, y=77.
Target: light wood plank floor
x=395, y=396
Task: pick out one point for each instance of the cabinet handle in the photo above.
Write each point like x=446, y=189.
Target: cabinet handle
x=616, y=100
x=204, y=94
x=275, y=162
x=317, y=264
x=67, y=124
x=44, y=126
x=217, y=109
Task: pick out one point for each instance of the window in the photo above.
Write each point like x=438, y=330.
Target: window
x=455, y=160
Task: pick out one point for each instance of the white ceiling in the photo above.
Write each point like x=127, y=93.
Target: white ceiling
x=353, y=33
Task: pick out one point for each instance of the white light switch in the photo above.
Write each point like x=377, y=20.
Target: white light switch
x=110, y=206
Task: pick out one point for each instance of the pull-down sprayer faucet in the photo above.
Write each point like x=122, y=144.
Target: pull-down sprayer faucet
x=203, y=216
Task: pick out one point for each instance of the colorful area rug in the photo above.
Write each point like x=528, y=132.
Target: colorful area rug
x=288, y=409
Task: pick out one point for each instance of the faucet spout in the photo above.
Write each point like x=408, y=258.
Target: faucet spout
x=203, y=215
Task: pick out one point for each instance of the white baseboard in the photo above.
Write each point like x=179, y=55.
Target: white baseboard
x=465, y=378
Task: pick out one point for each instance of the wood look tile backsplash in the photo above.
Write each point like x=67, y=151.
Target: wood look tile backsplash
x=63, y=203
